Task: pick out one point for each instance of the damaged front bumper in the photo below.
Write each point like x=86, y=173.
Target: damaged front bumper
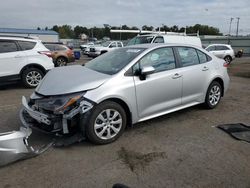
x=51, y=122
x=14, y=146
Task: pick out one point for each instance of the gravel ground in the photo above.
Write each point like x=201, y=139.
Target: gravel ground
x=181, y=149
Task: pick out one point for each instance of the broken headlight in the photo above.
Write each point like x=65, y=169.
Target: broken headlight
x=59, y=104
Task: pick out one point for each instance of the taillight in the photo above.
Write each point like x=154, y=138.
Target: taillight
x=70, y=52
x=47, y=53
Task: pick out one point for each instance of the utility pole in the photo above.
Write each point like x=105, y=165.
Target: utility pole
x=237, y=30
x=229, y=33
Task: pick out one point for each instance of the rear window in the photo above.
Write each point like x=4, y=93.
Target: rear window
x=222, y=48
x=26, y=45
x=50, y=47
x=59, y=48
x=8, y=46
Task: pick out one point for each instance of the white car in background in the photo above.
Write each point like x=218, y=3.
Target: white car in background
x=104, y=47
x=83, y=47
x=177, y=38
x=25, y=59
x=223, y=51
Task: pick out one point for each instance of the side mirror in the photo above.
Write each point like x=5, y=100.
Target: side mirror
x=147, y=70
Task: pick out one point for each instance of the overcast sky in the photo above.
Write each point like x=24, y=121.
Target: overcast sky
x=42, y=13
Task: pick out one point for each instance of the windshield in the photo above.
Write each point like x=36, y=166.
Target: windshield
x=105, y=44
x=140, y=40
x=114, y=61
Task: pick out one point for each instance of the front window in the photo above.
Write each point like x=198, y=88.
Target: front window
x=114, y=61
x=105, y=44
x=161, y=59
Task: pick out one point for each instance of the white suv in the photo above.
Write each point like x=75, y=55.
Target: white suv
x=222, y=51
x=25, y=59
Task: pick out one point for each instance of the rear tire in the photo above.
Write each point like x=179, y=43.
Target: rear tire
x=104, y=123
x=213, y=96
x=61, y=61
x=228, y=59
x=31, y=77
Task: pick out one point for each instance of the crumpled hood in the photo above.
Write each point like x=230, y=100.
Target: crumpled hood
x=70, y=79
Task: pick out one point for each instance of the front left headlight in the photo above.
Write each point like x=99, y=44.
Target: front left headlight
x=59, y=104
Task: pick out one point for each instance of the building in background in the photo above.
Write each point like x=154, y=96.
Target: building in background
x=43, y=35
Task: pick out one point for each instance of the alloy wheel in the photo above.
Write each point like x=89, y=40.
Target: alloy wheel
x=108, y=124
x=214, y=95
x=33, y=78
x=61, y=62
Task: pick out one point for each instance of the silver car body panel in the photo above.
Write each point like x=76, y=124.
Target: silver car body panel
x=70, y=79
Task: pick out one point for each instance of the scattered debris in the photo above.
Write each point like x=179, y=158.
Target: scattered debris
x=238, y=131
x=138, y=160
x=14, y=146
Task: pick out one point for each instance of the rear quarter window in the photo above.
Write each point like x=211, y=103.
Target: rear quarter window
x=26, y=45
x=203, y=58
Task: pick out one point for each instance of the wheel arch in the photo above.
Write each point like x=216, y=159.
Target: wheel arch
x=33, y=65
x=124, y=106
x=220, y=81
x=64, y=57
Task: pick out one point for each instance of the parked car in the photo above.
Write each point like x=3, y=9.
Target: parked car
x=61, y=54
x=125, y=86
x=104, y=47
x=166, y=38
x=84, y=46
x=223, y=51
x=25, y=59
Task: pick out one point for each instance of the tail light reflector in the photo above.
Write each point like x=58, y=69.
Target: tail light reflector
x=47, y=53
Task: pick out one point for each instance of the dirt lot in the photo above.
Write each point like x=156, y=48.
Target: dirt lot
x=181, y=149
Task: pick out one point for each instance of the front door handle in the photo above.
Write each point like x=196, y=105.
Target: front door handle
x=176, y=75
x=205, y=68
x=18, y=56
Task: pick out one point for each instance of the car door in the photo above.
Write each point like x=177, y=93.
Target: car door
x=10, y=58
x=221, y=51
x=161, y=90
x=112, y=45
x=212, y=50
x=195, y=71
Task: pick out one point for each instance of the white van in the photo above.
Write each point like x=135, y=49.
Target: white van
x=166, y=38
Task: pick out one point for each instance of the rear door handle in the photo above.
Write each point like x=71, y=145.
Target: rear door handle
x=176, y=75
x=205, y=68
x=18, y=56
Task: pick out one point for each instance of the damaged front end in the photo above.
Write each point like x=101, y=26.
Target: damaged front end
x=54, y=114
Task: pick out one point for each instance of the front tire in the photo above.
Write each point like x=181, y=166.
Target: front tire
x=105, y=123
x=31, y=77
x=213, y=95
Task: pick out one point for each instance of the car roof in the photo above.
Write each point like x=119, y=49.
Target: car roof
x=18, y=38
x=219, y=45
x=154, y=45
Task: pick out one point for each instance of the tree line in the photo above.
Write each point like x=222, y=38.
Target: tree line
x=67, y=31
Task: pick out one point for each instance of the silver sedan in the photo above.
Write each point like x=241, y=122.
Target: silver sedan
x=125, y=86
